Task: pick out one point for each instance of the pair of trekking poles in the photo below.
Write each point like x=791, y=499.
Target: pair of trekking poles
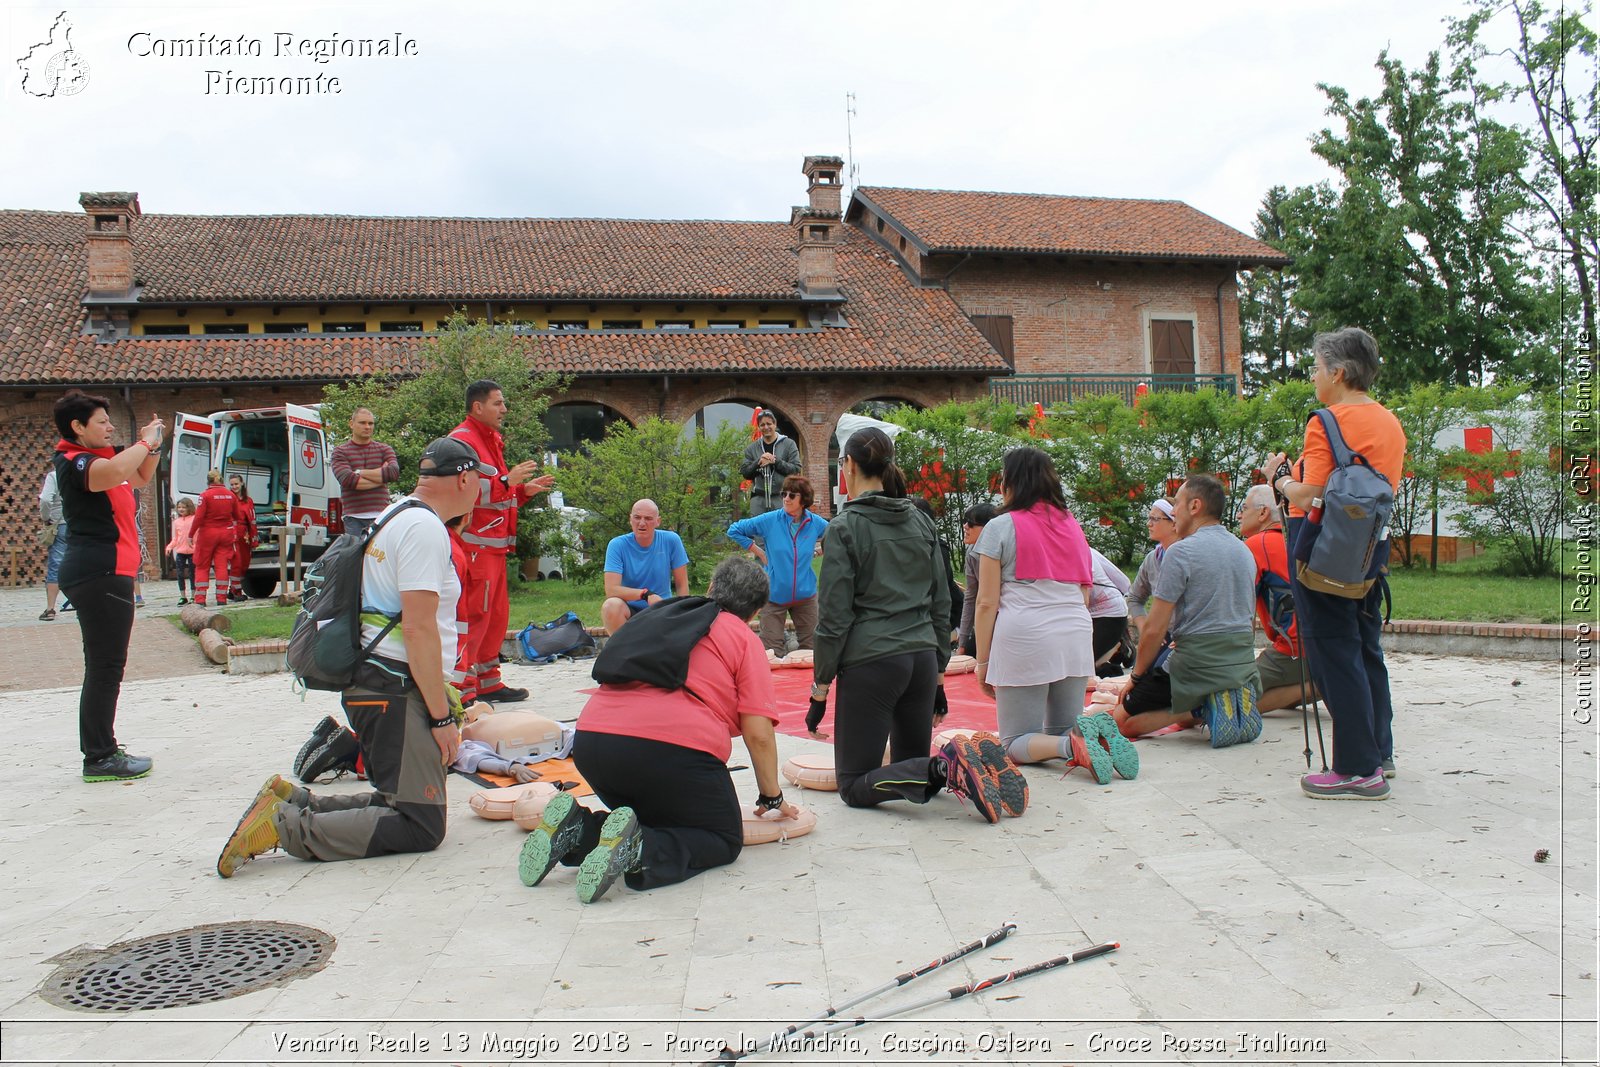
x=796, y=1034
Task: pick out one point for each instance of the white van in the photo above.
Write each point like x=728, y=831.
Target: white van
x=282, y=455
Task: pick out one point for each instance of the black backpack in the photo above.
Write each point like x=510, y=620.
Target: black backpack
x=325, y=645
x=654, y=646
x=1340, y=554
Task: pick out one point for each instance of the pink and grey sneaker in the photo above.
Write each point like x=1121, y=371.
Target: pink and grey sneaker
x=966, y=777
x=1330, y=785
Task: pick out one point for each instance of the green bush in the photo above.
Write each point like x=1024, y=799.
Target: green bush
x=951, y=455
x=694, y=480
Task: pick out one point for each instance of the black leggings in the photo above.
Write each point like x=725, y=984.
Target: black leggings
x=105, y=617
x=887, y=700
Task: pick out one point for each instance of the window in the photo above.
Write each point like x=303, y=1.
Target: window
x=344, y=327
x=399, y=327
x=725, y=324
x=621, y=324
x=308, y=450
x=288, y=327
x=996, y=329
x=226, y=327
x=180, y=330
x=674, y=324
x=569, y=324
x=775, y=324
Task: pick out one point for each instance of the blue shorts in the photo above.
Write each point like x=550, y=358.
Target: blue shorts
x=58, y=552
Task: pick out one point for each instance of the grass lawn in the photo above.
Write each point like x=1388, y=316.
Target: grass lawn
x=1461, y=592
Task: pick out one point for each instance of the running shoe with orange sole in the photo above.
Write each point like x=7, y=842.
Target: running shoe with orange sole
x=1013, y=786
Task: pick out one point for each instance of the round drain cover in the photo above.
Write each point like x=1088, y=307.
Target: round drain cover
x=193, y=966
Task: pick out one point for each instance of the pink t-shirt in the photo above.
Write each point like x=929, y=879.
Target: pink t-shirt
x=727, y=670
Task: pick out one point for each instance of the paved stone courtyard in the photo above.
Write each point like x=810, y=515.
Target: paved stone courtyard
x=1257, y=926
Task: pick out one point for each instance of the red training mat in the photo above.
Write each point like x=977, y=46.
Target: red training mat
x=969, y=708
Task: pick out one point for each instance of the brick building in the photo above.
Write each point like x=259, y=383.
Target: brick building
x=909, y=295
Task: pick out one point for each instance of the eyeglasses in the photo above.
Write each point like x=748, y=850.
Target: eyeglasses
x=787, y=493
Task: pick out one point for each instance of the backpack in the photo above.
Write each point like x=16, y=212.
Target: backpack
x=325, y=644
x=566, y=636
x=1274, y=593
x=1338, y=555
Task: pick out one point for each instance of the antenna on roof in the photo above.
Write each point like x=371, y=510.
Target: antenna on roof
x=849, y=140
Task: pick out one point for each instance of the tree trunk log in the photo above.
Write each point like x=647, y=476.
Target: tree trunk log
x=197, y=617
x=215, y=646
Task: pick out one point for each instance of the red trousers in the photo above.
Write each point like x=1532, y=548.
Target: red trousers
x=213, y=547
x=241, y=564
x=486, y=609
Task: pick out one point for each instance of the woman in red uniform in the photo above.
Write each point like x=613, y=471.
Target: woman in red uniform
x=244, y=537
x=213, y=537
x=96, y=485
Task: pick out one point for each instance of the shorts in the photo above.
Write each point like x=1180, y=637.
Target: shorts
x=1277, y=670
x=1153, y=692
x=57, y=553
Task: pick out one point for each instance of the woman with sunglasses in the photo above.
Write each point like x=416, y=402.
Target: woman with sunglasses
x=1163, y=530
x=792, y=535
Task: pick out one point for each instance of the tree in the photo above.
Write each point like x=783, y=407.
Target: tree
x=951, y=456
x=1554, y=91
x=1274, y=329
x=694, y=480
x=1424, y=412
x=1420, y=242
x=413, y=410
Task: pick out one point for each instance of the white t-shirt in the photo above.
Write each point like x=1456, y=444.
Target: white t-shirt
x=411, y=553
x=1043, y=632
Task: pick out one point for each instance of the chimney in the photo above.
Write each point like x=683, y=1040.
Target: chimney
x=110, y=236
x=823, y=174
x=817, y=227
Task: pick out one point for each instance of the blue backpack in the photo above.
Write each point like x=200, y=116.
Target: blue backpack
x=543, y=643
x=1344, y=554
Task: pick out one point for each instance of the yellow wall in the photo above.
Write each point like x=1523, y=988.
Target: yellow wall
x=432, y=316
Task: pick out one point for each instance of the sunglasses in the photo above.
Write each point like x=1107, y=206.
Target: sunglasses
x=791, y=493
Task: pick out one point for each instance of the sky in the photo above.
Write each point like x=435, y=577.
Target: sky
x=682, y=109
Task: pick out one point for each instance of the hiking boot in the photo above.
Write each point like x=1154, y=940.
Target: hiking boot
x=504, y=695
x=557, y=834
x=1331, y=785
x=1102, y=729
x=256, y=833
x=237, y=598
x=320, y=733
x=621, y=845
x=47, y=614
x=998, y=766
x=1092, y=756
x=1388, y=768
x=966, y=777
x=117, y=767
x=338, y=754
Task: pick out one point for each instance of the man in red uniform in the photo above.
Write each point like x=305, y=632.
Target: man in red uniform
x=489, y=533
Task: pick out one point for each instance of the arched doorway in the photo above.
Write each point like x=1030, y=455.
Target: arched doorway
x=738, y=412
x=877, y=407
x=576, y=424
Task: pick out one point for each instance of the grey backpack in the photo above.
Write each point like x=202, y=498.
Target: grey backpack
x=1340, y=555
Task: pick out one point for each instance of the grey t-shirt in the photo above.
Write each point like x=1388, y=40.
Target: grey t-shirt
x=1209, y=578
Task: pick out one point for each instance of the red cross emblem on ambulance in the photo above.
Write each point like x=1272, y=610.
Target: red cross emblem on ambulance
x=308, y=453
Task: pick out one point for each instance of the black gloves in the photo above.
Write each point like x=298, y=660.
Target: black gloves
x=941, y=704
x=814, y=716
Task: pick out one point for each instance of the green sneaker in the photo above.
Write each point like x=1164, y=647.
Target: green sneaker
x=117, y=767
x=1101, y=729
x=1089, y=754
x=621, y=845
x=557, y=834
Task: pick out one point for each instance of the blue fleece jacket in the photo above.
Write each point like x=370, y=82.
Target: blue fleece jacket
x=789, y=551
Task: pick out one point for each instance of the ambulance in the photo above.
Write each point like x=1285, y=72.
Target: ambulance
x=283, y=456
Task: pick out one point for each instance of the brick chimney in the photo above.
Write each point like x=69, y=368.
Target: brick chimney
x=823, y=174
x=817, y=228
x=110, y=236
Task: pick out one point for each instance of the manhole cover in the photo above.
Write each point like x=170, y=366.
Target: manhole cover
x=191, y=966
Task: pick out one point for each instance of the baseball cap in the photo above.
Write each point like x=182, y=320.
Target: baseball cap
x=449, y=456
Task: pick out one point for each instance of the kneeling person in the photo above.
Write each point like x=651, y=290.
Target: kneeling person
x=1285, y=683
x=397, y=704
x=1203, y=600
x=658, y=759
x=643, y=567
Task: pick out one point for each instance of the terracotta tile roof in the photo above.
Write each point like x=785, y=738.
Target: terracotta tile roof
x=893, y=326
x=945, y=221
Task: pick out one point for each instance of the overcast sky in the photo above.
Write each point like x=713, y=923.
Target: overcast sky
x=690, y=108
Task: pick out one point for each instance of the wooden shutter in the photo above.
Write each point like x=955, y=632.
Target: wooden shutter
x=1171, y=346
x=996, y=329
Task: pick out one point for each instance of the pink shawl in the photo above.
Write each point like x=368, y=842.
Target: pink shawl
x=1050, y=544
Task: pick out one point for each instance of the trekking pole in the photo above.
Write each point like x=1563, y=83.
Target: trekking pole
x=957, y=992
x=994, y=937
